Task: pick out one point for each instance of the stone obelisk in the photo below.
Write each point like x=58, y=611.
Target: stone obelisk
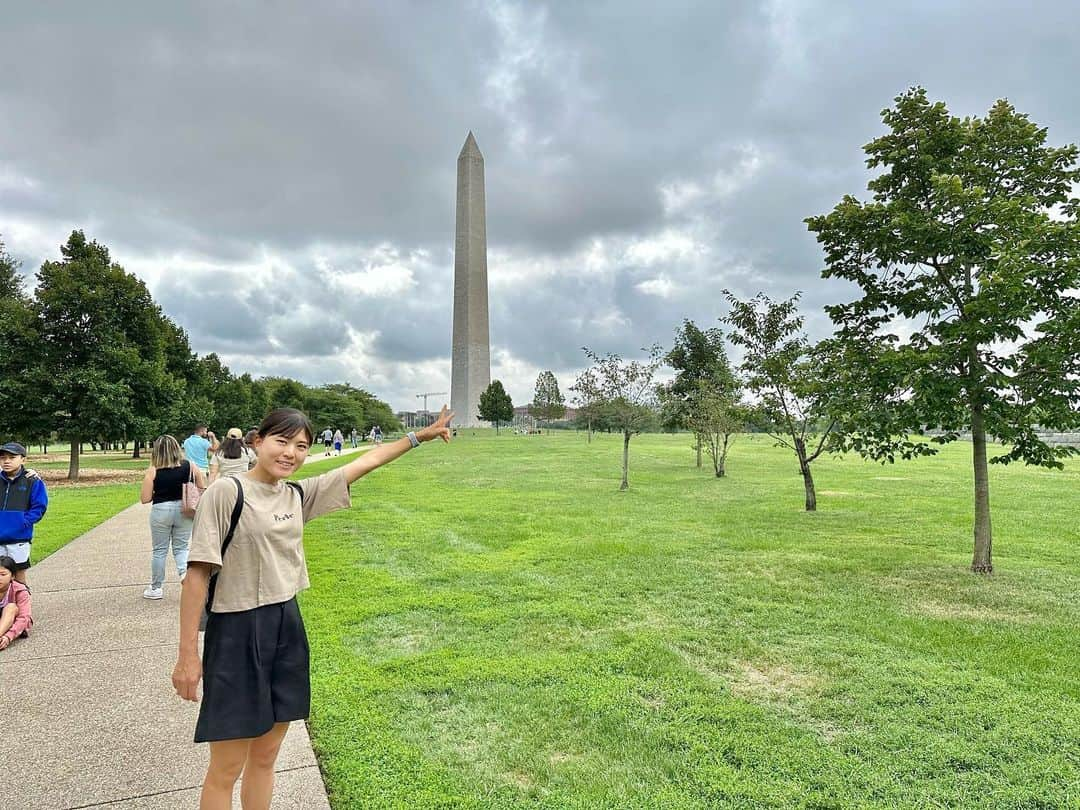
x=470, y=370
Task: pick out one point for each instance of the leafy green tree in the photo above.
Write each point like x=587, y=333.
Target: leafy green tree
x=716, y=418
x=102, y=346
x=701, y=365
x=970, y=248
x=285, y=393
x=19, y=414
x=586, y=391
x=789, y=377
x=626, y=394
x=548, y=403
x=495, y=405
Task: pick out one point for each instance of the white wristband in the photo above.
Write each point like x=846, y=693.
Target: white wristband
x=415, y=442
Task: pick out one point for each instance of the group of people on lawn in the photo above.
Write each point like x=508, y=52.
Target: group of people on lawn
x=241, y=563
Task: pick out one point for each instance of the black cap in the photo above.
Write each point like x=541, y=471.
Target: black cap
x=14, y=448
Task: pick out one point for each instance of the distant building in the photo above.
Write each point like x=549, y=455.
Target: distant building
x=415, y=419
x=524, y=418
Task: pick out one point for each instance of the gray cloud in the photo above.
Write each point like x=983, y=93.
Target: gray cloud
x=285, y=181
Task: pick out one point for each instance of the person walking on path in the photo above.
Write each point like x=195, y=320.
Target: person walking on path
x=328, y=440
x=198, y=447
x=162, y=486
x=353, y=437
x=232, y=458
x=16, y=615
x=338, y=441
x=255, y=668
x=23, y=501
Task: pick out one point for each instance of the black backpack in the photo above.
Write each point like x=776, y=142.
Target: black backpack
x=234, y=518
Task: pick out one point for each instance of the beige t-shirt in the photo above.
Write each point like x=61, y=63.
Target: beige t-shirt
x=266, y=556
x=233, y=466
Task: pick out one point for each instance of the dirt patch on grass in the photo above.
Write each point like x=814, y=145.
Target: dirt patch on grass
x=89, y=478
x=769, y=681
x=520, y=780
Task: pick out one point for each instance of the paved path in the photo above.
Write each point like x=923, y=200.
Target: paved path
x=88, y=700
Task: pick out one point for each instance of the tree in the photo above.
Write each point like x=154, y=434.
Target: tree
x=701, y=370
x=970, y=246
x=101, y=347
x=586, y=391
x=789, y=377
x=18, y=352
x=285, y=393
x=548, y=403
x=495, y=405
x=627, y=394
x=716, y=417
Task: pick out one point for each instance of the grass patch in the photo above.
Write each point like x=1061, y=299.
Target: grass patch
x=494, y=625
x=73, y=511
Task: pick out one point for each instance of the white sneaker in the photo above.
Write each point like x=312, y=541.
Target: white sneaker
x=153, y=593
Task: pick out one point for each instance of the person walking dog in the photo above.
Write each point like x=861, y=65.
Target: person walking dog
x=246, y=564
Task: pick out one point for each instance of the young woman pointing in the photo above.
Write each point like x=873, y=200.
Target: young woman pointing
x=246, y=563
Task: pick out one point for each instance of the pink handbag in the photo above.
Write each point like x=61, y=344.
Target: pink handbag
x=189, y=494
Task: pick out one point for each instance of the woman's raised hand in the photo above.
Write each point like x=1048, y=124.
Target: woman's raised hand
x=439, y=429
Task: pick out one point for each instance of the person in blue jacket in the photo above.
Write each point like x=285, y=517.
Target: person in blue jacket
x=23, y=502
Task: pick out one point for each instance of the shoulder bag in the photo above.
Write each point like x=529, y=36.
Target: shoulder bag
x=189, y=493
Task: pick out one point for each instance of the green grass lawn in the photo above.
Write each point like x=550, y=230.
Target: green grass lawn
x=74, y=511
x=494, y=625
x=58, y=459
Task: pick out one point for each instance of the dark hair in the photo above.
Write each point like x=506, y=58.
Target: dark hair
x=286, y=422
x=8, y=563
x=199, y=425
x=249, y=437
x=231, y=448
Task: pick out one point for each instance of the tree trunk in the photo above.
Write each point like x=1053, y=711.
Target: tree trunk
x=590, y=432
x=138, y=446
x=625, y=461
x=808, y=479
x=73, y=463
x=699, y=451
x=981, y=562
x=721, y=458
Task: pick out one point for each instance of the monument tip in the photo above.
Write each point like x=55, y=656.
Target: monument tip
x=470, y=147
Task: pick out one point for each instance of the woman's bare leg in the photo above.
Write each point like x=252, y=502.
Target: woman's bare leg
x=258, y=786
x=226, y=763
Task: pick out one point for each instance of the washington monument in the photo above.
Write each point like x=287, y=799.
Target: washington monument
x=470, y=369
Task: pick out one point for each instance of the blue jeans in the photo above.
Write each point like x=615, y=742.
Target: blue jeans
x=168, y=528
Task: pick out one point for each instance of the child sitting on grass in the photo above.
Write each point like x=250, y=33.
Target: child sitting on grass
x=15, y=615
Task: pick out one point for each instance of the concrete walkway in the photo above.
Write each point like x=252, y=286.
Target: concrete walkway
x=88, y=701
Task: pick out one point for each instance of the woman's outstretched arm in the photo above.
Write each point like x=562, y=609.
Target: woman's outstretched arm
x=385, y=453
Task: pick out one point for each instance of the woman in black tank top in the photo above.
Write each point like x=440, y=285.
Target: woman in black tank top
x=162, y=486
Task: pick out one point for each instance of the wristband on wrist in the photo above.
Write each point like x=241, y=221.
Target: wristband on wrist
x=415, y=442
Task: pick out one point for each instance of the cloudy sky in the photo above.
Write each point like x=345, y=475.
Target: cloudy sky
x=282, y=174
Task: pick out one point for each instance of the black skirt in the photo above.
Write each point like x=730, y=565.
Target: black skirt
x=255, y=672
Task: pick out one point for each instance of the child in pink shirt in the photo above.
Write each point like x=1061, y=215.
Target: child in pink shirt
x=15, y=614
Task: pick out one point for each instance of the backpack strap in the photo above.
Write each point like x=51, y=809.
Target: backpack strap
x=234, y=518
